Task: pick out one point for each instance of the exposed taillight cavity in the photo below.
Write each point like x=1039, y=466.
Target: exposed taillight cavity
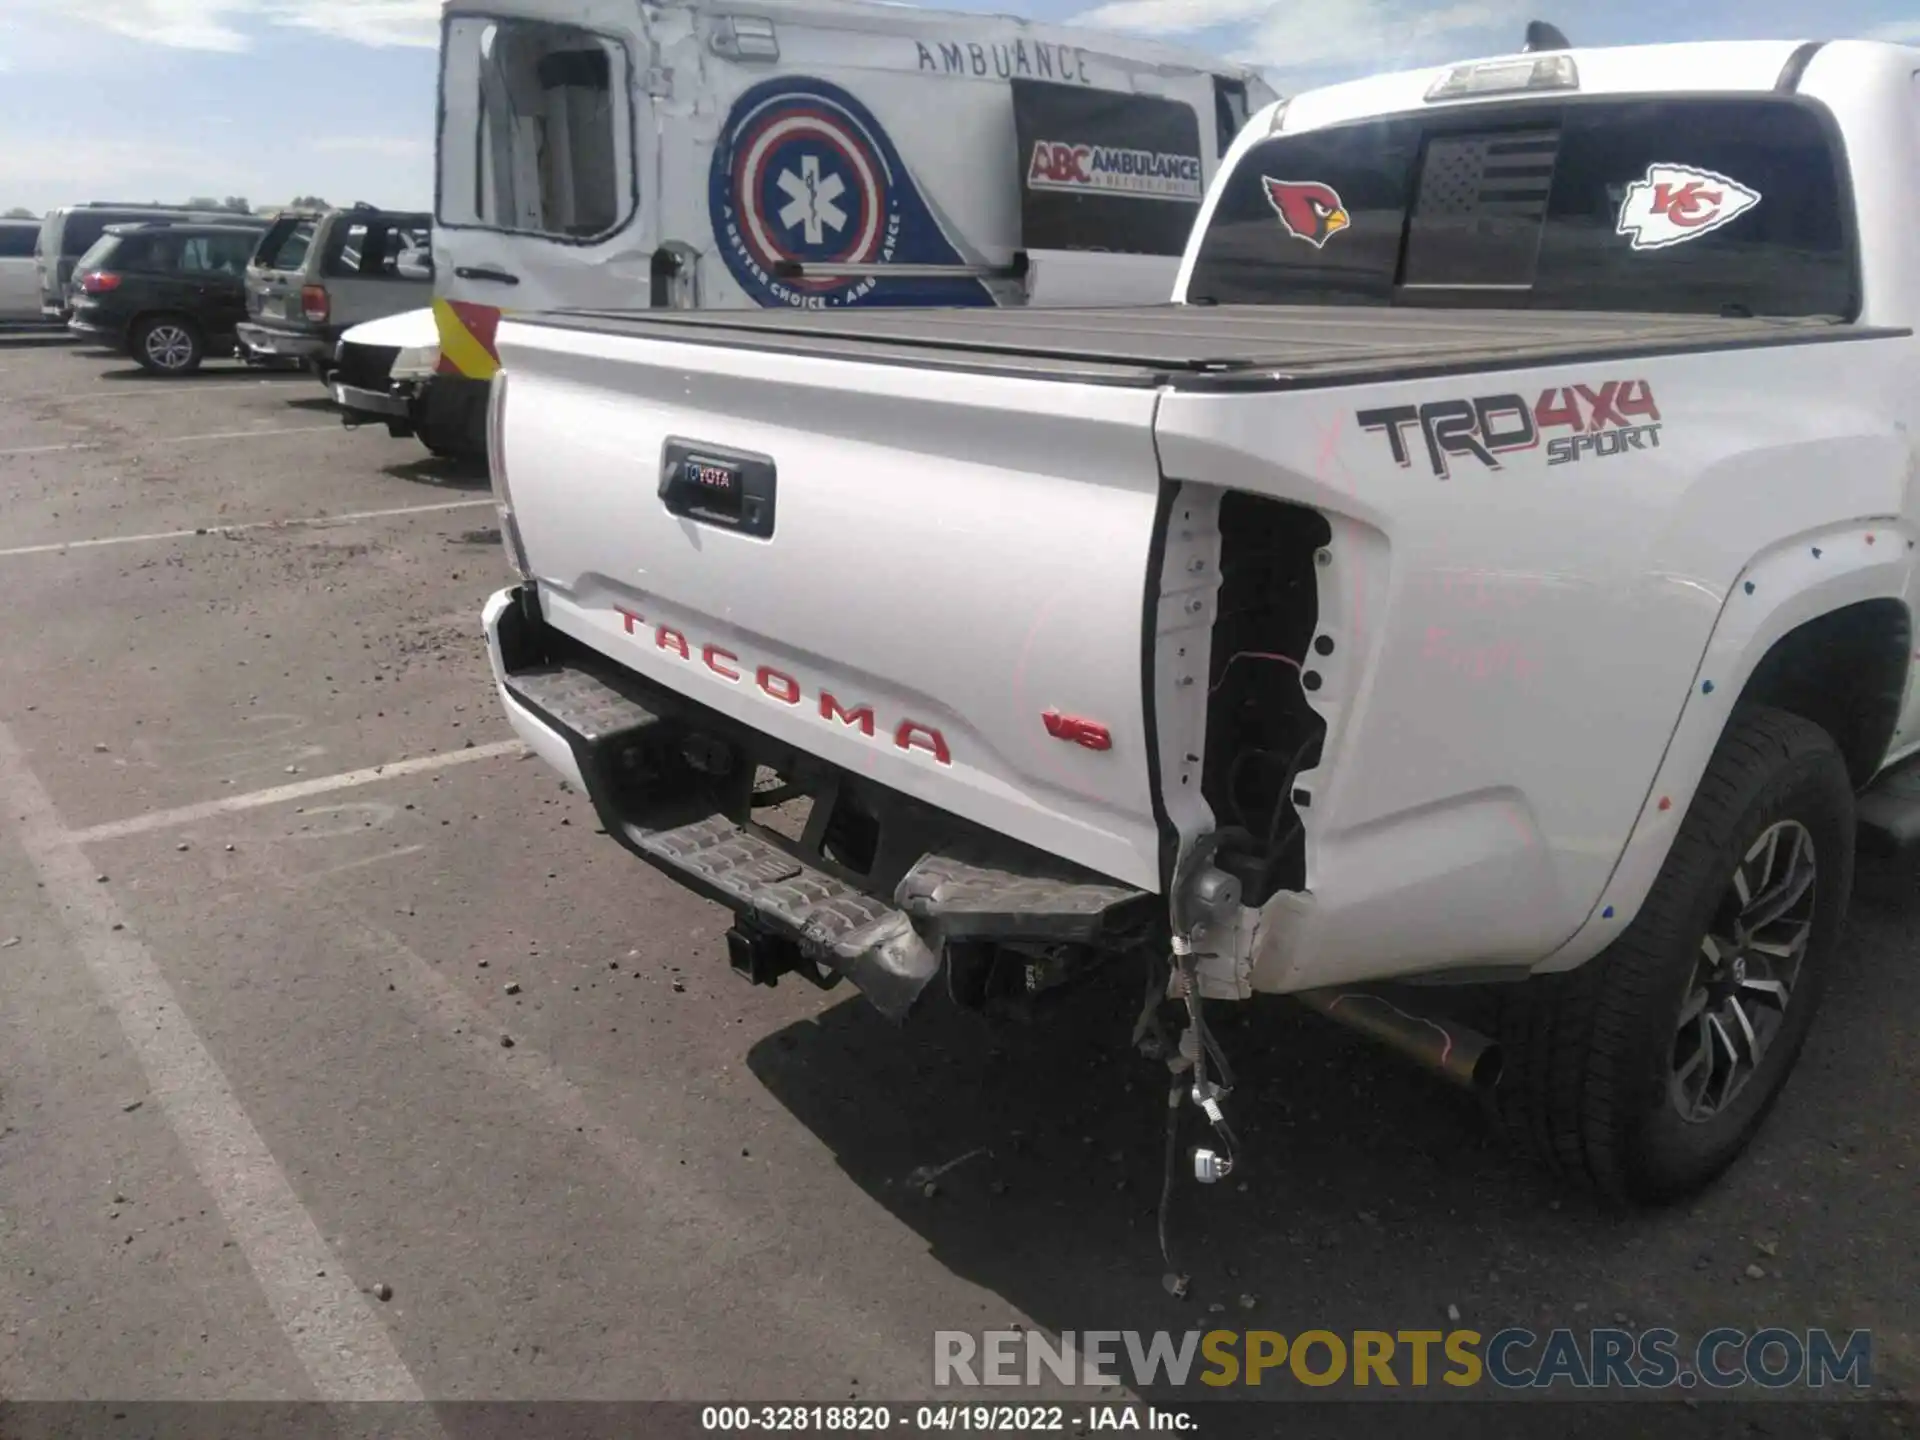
x=315, y=303
x=99, y=282
x=1263, y=730
x=497, y=472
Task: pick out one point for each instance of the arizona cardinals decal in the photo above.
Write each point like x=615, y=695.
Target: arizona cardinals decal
x=1311, y=211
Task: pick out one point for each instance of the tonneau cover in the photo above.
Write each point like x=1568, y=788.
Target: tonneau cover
x=1208, y=347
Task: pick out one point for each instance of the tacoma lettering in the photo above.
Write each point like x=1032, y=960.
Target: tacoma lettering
x=832, y=709
x=782, y=688
x=786, y=690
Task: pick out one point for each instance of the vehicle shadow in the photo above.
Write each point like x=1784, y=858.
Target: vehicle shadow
x=1348, y=1159
x=440, y=472
x=28, y=338
x=213, y=372
x=1368, y=1195
x=318, y=403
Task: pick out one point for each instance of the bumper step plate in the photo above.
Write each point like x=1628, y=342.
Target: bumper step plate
x=980, y=889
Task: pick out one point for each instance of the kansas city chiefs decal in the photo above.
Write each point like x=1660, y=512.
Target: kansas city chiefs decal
x=1678, y=203
x=1309, y=210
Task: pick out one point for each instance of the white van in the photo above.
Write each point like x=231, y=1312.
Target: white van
x=19, y=288
x=812, y=153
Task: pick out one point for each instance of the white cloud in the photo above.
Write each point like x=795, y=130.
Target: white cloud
x=367, y=22
x=1905, y=32
x=40, y=173
x=1173, y=17
x=1333, y=37
x=225, y=25
x=56, y=172
x=396, y=146
x=183, y=24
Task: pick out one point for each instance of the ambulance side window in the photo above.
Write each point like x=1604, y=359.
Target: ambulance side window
x=536, y=129
x=1229, y=110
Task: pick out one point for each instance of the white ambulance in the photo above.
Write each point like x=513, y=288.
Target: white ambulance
x=616, y=154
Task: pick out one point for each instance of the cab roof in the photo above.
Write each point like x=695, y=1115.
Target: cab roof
x=1692, y=68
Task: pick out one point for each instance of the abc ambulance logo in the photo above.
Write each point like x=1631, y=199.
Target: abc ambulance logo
x=1114, y=170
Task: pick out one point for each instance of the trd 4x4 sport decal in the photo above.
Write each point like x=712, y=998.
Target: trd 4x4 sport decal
x=1608, y=420
x=1677, y=203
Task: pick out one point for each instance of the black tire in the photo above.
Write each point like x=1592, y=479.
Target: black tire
x=449, y=423
x=1593, y=1082
x=167, y=345
x=447, y=442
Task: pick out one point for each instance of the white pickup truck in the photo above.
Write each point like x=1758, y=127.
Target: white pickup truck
x=1497, y=565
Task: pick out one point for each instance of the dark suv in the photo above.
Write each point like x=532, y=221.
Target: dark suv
x=169, y=295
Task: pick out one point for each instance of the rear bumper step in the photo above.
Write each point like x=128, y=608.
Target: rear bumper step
x=934, y=880
x=284, y=344
x=361, y=404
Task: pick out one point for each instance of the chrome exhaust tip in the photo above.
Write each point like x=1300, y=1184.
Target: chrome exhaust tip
x=1461, y=1056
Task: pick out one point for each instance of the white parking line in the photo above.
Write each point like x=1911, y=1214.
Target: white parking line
x=299, y=790
x=346, y=1351
x=175, y=439
x=51, y=449
x=56, y=545
x=716, y=1236
x=133, y=391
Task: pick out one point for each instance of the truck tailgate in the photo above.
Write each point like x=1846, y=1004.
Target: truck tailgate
x=951, y=560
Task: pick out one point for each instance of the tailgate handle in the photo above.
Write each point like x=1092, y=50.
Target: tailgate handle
x=713, y=485
x=485, y=272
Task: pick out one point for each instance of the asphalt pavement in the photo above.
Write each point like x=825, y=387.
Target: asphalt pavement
x=341, y=1059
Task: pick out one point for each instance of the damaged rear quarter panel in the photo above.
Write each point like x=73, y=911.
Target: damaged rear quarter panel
x=1515, y=644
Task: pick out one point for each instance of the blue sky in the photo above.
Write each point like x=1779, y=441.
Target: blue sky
x=160, y=99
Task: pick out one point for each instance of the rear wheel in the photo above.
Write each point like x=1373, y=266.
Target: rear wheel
x=168, y=345
x=1646, y=1071
x=449, y=418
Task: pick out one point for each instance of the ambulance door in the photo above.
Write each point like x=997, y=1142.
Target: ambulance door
x=539, y=201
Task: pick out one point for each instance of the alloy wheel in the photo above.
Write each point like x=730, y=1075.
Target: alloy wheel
x=169, y=346
x=1744, y=978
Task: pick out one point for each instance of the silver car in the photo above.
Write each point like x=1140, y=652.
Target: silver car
x=315, y=274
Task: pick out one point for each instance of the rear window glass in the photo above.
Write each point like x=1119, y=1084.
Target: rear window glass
x=1229, y=110
x=285, y=245
x=97, y=253
x=383, y=249
x=219, y=254
x=16, y=241
x=1709, y=206
x=83, y=227
x=535, y=129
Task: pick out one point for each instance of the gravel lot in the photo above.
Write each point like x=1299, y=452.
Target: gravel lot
x=254, y=1025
